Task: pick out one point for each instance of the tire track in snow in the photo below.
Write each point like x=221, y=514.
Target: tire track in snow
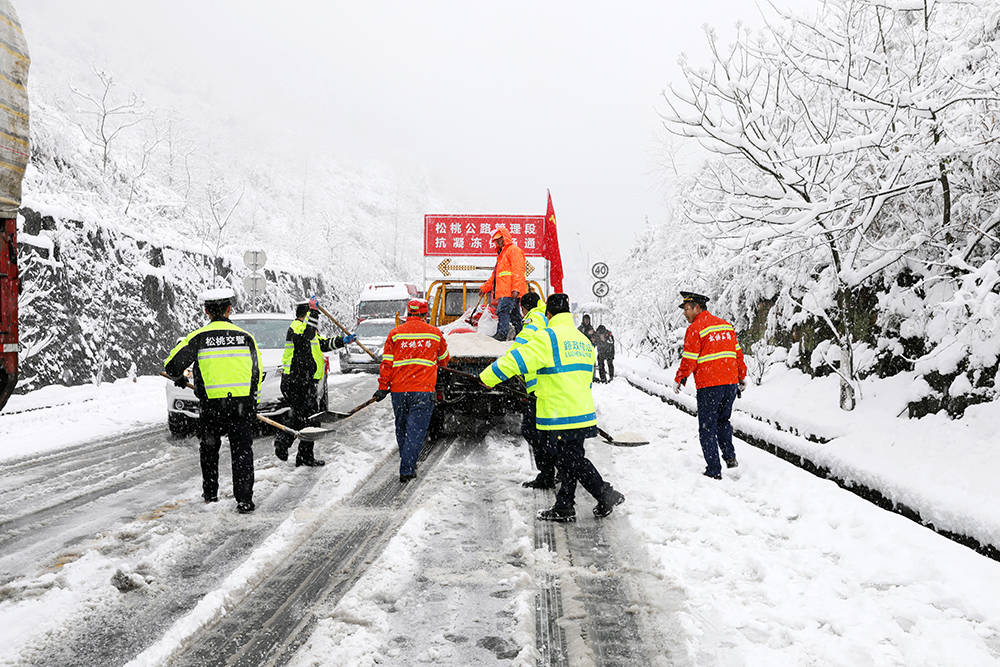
x=273, y=620
x=587, y=600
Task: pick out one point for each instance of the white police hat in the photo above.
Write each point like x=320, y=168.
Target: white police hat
x=219, y=295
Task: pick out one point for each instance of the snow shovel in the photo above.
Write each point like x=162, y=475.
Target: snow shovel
x=341, y=326
x=332, y=415
x=623, y=440
x=308, y=434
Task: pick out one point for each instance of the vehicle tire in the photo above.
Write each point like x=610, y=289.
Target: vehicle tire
x=179, y=425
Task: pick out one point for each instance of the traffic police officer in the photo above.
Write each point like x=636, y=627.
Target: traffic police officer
x=534, y=320
x=302, y=367
x=227, y=375
x=713, y=355
x=563, y=358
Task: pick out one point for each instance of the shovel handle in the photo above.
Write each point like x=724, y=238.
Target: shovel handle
x=162, y=373
x=280, y=427
x=341, y=327
x=361, y=407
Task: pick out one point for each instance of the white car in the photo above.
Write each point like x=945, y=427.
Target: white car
x=372, y=333
x=269, y=331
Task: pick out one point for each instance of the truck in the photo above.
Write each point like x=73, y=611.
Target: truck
x=14, y=154
x=385, y=300
x=458, y=258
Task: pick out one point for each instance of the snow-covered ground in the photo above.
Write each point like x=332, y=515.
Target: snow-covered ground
x=55, y=416
x=770, y=566
x=943, y=468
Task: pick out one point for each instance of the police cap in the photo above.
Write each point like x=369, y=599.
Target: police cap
x=220, y=296
x=693, y=297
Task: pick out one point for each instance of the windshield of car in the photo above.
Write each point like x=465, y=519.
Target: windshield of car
x=381, y=308
x=268, y=333
x=369, y=329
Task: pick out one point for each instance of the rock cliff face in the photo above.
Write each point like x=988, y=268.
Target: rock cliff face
x=98, y=304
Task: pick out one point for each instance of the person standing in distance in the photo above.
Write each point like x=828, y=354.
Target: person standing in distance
x=410, y=359
x=227, y=375
x=714, y=356
x=302, y=367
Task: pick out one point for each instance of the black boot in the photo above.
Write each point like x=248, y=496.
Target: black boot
x=281, y=451
x=540, y=482
x=305, y=456
x=732, y=463
x=608, y=502
x=560, y=514
x=245, y=508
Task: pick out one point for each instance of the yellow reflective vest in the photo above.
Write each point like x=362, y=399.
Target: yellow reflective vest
x=563, y=359
x=226, y=361
x=312, y=364
x=534, y=321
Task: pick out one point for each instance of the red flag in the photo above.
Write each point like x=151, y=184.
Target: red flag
x=550, y=249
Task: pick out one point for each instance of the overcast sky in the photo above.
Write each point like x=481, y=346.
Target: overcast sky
x=495, y=101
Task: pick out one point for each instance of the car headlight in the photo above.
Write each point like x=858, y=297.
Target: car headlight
x=178, y=405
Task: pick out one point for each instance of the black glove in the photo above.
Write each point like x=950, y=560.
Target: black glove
x=380, y=394
x=181, y=382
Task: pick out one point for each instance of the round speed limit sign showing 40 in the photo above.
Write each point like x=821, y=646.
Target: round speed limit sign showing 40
x=600, y=270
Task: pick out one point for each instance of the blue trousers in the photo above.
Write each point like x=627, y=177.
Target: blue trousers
x=508, y=312
x=413, y=410
x=715, y=407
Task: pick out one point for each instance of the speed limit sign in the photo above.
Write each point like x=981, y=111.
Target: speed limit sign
x=601, y=289
x=600, y=270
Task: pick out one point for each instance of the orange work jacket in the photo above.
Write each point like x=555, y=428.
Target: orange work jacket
x=509, y=272
x=411, y=355
x=711, y=352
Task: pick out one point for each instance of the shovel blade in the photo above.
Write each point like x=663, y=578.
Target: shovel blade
x=627, y=440
x=312, y=433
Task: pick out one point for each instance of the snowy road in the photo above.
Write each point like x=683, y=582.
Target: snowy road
x=108, y=556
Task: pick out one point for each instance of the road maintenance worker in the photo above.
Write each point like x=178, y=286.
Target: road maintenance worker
x=507, y=283
x=713, y=354
x=302, y=367
x=563, y=358
x=410, y=359
x=227, y=375
x=534, y=321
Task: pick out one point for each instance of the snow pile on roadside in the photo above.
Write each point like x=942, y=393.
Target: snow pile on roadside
x=774, y=566
x=945, y=469
x=79, y=414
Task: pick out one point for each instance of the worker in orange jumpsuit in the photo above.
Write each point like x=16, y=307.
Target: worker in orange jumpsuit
x=507, y=283
x=410, y=359
x=713, y=355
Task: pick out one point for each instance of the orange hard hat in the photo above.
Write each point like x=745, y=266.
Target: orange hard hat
x=416, y=307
